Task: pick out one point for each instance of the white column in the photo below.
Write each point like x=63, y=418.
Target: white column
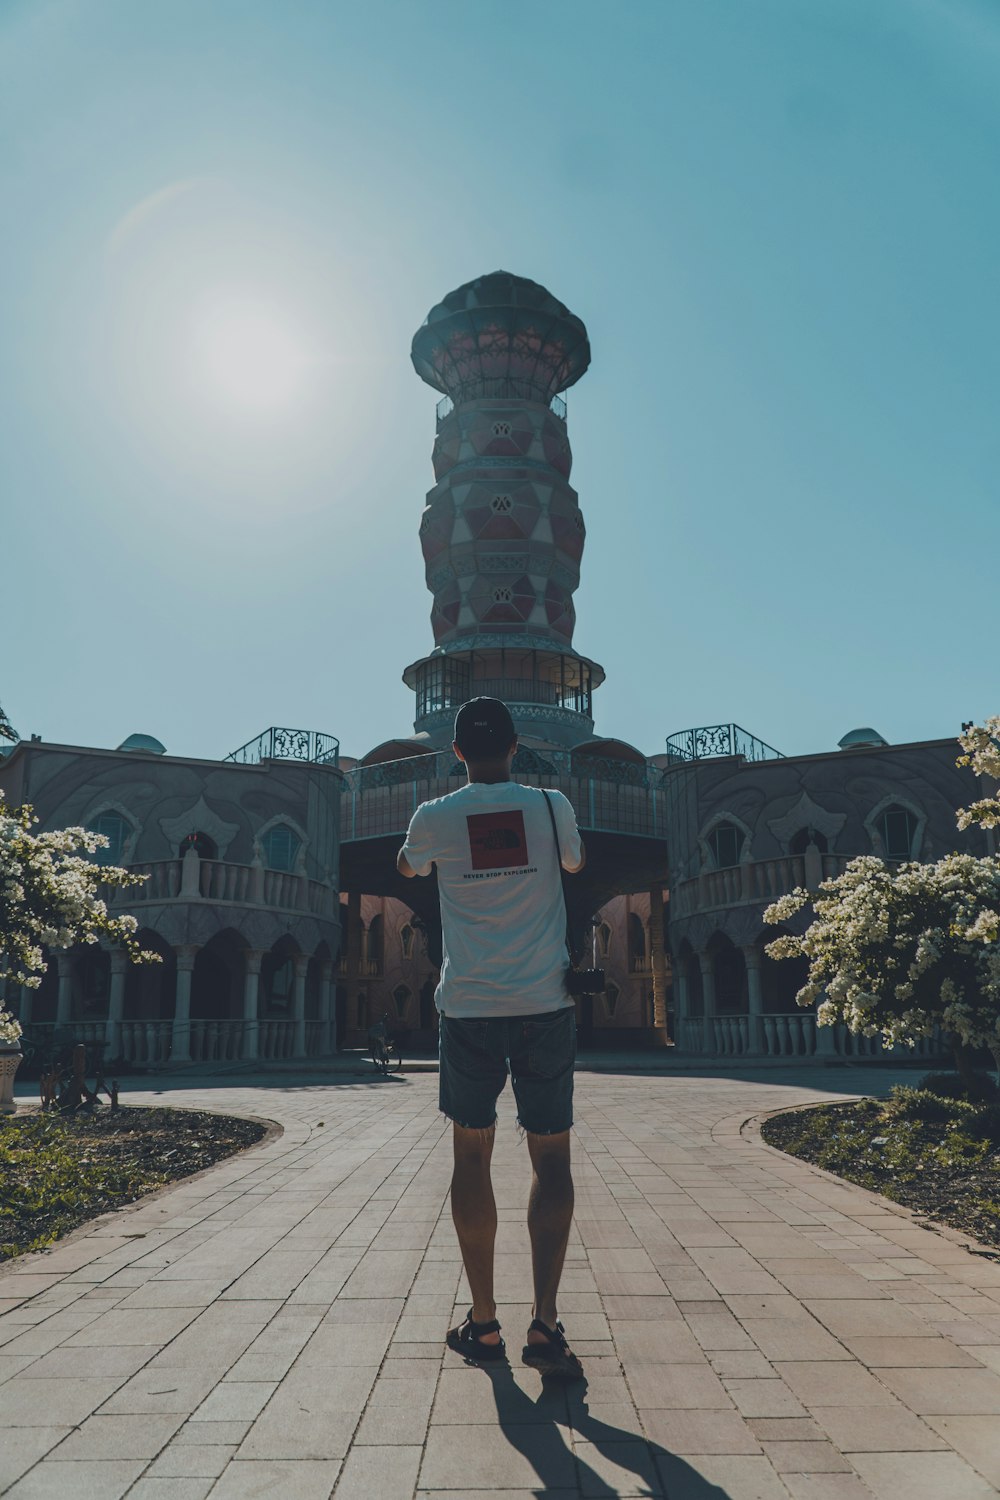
x=658, y=958
x=328, y=1034
x=755, y=1039
x=25, y=1003
x=680, y=1005
x=826, y=1036
x=116, y=1003
x=299, y=1006
x=190, y=874
x=708, y=1045
x=180, y=1041
x=64, y=1004
x=251, y=992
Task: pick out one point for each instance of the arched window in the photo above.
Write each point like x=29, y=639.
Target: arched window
x=115, y=829
x=406, y=935
x=897, y=828
x=279, y=847
x=401, y=999
x=604, y=940
x=280, y=983
x=611, y=994
x=636, y=942
x=376, y=946
x=806, y=836
x=726, y=844
x=203, y=846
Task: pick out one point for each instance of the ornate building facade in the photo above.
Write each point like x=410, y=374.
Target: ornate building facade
x=273, y=896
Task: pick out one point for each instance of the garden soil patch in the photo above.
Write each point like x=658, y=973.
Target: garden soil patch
x=58, y=1171
x=926, y=1166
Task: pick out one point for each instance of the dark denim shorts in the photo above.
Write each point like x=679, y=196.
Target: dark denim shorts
x=539, y=1052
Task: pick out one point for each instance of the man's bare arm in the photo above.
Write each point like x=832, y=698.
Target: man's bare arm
x=403, y=866
x=583, y=860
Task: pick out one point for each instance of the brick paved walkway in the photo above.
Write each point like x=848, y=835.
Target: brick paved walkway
x=751, y=1328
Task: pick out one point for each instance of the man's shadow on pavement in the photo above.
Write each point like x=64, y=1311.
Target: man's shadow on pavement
x=535, y=1430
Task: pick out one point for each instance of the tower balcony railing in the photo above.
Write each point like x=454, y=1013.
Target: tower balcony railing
x=608, y=797
x=434, y=698
x=713, y=741
x=289, y=744
x=501, y=389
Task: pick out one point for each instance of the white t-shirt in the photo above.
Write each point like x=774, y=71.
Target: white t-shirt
x=503, y=917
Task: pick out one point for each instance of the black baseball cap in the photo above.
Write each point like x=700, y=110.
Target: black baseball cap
x=484, y=729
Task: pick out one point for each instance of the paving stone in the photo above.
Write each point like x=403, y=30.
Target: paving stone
x=833, y=1383
x=518, y=1455
x=103, y=1437
x=171, y=1489
x=699, y=1432
x=388, y=1473
x=976, y=1438
x=62, y=1402
x=826, y=1487
x=235, y=1401
x=714, y=1476
x=84, y=1480
x=622, y=1469
x=311, y=1417
x=24, y=1446
x=876, y=1429
x=293, y=1479
x=923, y=1476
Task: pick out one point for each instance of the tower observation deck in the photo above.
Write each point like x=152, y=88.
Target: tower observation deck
x=502, y=533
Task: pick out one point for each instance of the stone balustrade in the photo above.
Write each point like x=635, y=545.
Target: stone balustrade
x=223, y=883
x=795, y=1035
x=758, y=881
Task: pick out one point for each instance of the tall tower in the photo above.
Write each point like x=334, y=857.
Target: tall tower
x=502, y=534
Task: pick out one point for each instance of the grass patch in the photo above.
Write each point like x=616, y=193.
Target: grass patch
x=58, y=1171
x=925, y=1148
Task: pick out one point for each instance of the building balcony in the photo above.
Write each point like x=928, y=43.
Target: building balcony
x=754, y=882
x=795, y=1037
x=224, y=884
x=381, y=799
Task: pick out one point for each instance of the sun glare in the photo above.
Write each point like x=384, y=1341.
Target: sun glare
x=251, y=357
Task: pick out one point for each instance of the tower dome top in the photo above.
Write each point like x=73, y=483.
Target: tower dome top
x=501, y=336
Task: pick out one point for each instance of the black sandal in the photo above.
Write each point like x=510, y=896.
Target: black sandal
x=465, y=1340
x=554, y=1357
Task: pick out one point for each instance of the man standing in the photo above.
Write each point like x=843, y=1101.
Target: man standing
x=503, y=1004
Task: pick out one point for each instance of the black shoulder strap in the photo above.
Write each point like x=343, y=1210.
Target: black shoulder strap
x=552, y=820
x=559, y=865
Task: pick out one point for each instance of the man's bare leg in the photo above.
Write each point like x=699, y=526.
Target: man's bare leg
x=550, y=1214
x=474, y=1210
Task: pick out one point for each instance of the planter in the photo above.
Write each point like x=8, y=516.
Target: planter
x=10, y=1061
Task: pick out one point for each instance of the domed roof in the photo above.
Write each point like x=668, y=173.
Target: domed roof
x=858, y=739
x=144, y=742
x=501, y=336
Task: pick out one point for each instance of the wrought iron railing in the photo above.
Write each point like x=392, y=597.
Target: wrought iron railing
x=381, y=799
x=289, y=744
x=501, y=389
x=716, y=740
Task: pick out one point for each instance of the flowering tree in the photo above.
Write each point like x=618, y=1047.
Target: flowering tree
x=897, y=952
x=982, y=753
x=49, y=897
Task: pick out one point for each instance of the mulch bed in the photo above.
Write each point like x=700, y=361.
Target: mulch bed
x=58, y=1171
x=931, y=1167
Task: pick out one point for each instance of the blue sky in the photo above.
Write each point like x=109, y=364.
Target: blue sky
x=778, y=219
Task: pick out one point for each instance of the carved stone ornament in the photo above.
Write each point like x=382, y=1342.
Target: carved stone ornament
x=806, y=814
x=200, y=819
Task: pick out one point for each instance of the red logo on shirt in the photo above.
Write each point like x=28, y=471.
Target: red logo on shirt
x=496, y=840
